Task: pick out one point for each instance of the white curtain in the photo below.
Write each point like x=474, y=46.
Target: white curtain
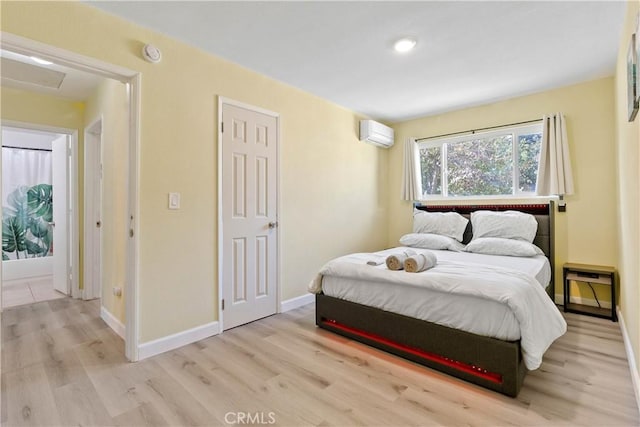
x=411, y=184
x=554, y=169
x=24, y=168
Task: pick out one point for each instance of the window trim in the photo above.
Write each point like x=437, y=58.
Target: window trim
x=515, y=130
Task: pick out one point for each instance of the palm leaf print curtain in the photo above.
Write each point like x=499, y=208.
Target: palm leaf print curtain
x=27, y=205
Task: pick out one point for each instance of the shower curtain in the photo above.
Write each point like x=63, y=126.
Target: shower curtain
x=27, y=203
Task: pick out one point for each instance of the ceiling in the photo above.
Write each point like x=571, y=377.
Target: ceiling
x=468, y=53
x=22, y=72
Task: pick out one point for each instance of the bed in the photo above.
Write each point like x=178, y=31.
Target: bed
x=494, y=363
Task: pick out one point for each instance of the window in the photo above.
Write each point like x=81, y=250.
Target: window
x=497, y=163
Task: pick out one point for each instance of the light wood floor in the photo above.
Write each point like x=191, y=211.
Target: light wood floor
x=61, y=365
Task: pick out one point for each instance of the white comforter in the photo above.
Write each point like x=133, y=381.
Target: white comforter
x=539, y=319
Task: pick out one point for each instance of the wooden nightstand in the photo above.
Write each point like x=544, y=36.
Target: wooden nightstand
x=593, y=275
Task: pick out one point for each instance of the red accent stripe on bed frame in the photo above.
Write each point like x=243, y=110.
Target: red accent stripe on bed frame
x=460, y=366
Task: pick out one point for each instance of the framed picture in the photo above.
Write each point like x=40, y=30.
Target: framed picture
x=632, y=70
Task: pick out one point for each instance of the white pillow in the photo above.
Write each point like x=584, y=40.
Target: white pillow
x=431, y=241
x=507, y=225
x=498, y=246
x=450, y=224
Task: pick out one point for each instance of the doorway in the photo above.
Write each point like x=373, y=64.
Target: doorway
x=37, y=201
x=129, y=198
x=248, y=153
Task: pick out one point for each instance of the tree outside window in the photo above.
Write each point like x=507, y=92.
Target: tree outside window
x=497, y=163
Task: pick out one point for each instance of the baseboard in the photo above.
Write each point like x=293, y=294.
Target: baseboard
x=27, y=269
x=583, y=301
x=635, y=376
x=293, y=303
x=180, y=339
x=591, y=302
x=112, y=322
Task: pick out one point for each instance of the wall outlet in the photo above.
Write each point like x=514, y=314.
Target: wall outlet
x=117, y=291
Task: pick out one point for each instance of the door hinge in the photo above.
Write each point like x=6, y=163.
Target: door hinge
x=222, y=127
x=222, y=304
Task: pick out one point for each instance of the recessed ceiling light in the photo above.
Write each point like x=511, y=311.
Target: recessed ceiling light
x=404, y=45
x=40, y=61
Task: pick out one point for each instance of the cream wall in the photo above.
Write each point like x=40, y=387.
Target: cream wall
x=110, y=104
x=24, y=106
x=587, y=232
x=333, y=191
x=628, y=165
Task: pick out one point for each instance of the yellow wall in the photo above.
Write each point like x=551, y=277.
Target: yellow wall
x=628, y=165
x=29, y=107
x=24, y=106
x=333, y=191
x=587, y=232
x=110, y=103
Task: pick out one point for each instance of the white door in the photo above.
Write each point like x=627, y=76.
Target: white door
x=93, y=174
x=60, y=184
x=249, y=215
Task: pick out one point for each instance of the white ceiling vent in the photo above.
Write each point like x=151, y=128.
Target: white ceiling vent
x=16, y=71
x=376, y=133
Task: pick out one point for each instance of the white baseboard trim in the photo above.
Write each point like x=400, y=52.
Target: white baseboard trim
x=179, y=339
x=583, y=301
x=112, y=322
x=591, y=302
x=24, y=269
x=635, y=376
x=293, y=303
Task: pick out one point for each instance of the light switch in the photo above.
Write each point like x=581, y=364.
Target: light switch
x=174, y=200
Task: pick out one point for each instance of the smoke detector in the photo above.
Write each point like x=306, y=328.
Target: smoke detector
x=151, y=53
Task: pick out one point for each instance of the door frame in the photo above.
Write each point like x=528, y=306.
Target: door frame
x=228, y=101
x=72, y=223
x=92, y=158
x=133, y=79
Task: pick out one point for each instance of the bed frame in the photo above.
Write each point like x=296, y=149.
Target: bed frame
x=488, y=362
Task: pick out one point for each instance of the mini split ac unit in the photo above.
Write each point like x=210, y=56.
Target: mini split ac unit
x=376, y=133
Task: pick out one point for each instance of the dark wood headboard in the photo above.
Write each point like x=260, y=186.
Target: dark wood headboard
x=543, y=213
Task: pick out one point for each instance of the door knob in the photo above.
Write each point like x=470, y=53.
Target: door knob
x=52, y=224
x=273, y=224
